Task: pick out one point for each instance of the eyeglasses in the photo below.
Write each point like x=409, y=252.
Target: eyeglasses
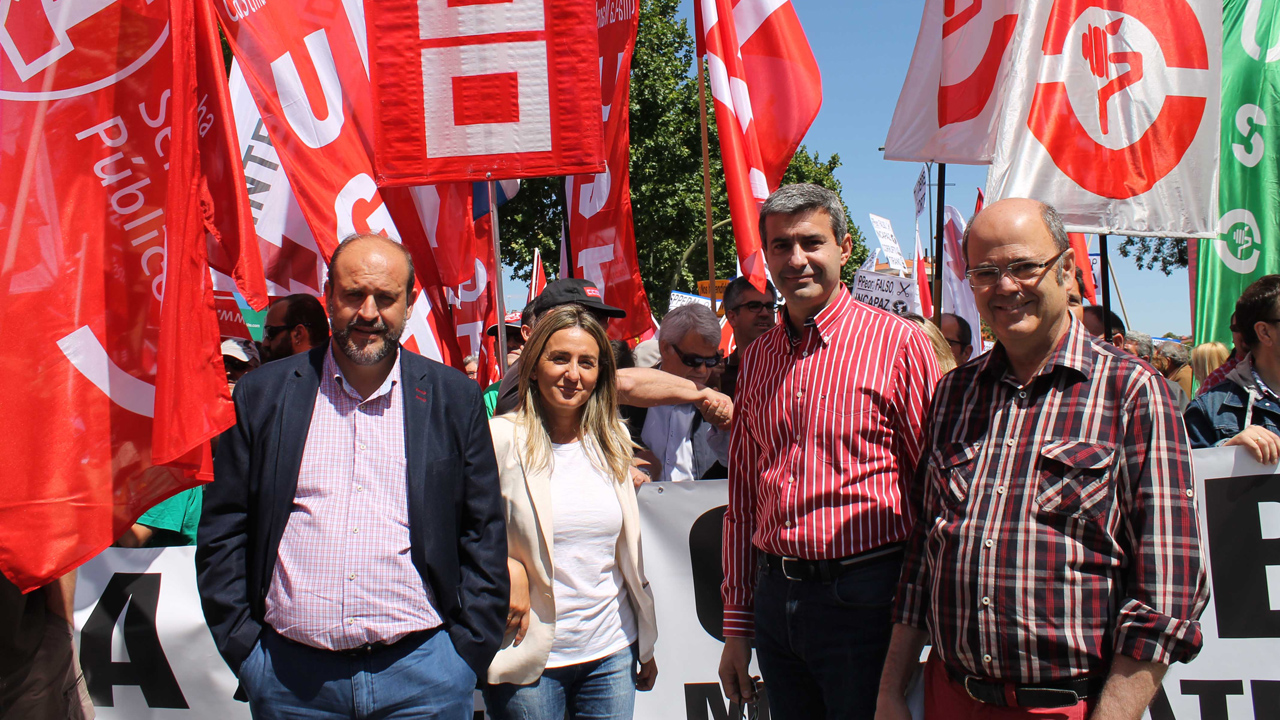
x=693, y=361
x=1023, y=271
x=270, y=331
x=756, y=306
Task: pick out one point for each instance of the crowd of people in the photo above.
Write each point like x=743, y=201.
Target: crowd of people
x=383, y=535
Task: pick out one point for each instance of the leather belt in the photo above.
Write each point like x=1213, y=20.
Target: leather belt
x=801, y=570
x=1057, y=694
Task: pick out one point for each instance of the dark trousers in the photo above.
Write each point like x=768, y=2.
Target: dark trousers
x=821, y=645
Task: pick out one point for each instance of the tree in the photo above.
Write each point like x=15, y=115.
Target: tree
x=1147, y=253
x=666, y=174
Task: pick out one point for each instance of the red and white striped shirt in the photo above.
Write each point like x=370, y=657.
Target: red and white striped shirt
x=828, y=430
x=343, y=575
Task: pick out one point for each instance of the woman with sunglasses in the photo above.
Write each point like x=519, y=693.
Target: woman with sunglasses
x=581, y=628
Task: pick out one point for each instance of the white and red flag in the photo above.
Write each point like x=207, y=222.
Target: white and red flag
x=957, y=295
x=537, y=277
x=478, y=89
x=1080, y=250
x=600, y=223
x=1113, y=115
x=767, y=91
x=949, y=105
x=921, y=274
x=117, y=369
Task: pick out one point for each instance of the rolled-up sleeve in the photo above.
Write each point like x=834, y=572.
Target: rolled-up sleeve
x=739, y=555
x=1166, y=587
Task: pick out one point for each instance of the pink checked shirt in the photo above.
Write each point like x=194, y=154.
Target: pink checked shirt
x=343, y=574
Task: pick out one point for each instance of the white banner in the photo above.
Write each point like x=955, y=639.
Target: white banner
x=1111, y=115
x=896, y=294
x=147, y=653
x=888, y=241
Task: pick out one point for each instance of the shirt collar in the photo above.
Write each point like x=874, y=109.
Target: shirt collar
x=826, y=320
x=333, y=370
x=1262, y=384
x=1074, y=351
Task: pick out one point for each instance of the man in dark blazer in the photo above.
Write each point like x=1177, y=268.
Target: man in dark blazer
x=352, y=552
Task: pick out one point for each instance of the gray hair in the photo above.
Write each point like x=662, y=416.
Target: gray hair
x=1052, y=222
x=1175, y=352
x=803, y=197
x=690, y=318
x=739, y=285
x=470, y=359
x=1141, y=340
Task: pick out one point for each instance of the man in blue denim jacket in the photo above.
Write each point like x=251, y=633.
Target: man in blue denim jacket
x=1245, y=408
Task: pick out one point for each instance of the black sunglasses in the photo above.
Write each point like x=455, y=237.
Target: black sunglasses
x=693, y=361
x=270, y=331
x=756, y=306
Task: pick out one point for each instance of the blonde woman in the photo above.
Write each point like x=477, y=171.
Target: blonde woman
x=941, y=347
x=581, y=628
x=1207, y=357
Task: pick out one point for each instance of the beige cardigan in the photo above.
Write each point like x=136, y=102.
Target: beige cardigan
x=529, y=537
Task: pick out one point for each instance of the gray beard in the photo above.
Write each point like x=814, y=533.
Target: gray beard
x=371, y=354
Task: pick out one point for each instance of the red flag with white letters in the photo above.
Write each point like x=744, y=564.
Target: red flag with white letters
x=767, y=91
x=481, y=90
x=117, y=367
x=602, y=236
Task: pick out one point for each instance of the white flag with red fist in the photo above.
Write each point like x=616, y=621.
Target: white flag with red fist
x=1112, y=116
x=767, y=91
x=950, y=101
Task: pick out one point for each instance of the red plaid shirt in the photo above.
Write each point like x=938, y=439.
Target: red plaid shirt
x=1058, y=525
x=828, y=428
x=343, y=575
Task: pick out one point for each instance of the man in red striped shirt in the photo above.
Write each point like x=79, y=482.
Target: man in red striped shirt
x=830, y=409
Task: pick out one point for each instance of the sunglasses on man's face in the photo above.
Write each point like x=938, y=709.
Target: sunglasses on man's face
x=693, y=361
x=756, y=306
x=270, y=331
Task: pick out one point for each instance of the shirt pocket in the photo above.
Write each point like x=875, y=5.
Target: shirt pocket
x=953, y=467
x=1074, y=478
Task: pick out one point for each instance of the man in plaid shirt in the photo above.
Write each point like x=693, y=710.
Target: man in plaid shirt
x=1055, y=562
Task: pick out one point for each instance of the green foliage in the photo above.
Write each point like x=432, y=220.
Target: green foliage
x=1147, y=253
x=666, y=174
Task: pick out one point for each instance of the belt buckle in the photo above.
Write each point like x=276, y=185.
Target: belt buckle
x=967, y=678
x=786, y=573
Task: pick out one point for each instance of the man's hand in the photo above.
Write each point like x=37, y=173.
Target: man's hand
x=1261, y=443
x=716, y=408
x=892, y=706
x=518, y=614
x=900, y=663
x=1131, y=685
x=647, y=676
x=644, y=466
x=735, y=670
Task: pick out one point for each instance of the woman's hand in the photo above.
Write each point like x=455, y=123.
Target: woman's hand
x=647, y=676
x=518, y=614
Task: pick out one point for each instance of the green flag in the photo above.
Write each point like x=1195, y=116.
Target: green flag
x=1249, y=181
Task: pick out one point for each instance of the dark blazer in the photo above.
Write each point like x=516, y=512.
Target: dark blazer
x=456, y=522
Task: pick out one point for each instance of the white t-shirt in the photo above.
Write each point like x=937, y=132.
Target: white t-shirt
x=594, y=618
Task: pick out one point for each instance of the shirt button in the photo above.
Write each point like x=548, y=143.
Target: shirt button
x=791, y=480
x=787, y=523
x=804, y=354
x=989, y=543
x=799, y=393
x=1190, y=492
x=1000, y=490
x=355, y=530
x=351, y=621
x=986, y=601
x=1022, y=394
x=359, y=488
x=986, y=658
x=1009, y=442
x=352, y=576
x=362, y=446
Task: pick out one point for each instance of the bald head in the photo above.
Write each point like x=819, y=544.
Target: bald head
x=375, y=246
x=1020, y=217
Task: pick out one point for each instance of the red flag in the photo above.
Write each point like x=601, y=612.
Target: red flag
x=233, y=247
x=600, y=221
x=469, y=89
x=538, y=280
x=977, y=205
x=308, y=164
x=922, y=280
x=105, y=246
x=767, y=90
x=1080, y=248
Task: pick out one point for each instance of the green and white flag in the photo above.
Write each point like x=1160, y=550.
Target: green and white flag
x=1249, y=182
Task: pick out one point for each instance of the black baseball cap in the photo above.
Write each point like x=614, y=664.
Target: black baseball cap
x=575, y=290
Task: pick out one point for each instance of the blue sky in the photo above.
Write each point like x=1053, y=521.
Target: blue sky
x=863, y=48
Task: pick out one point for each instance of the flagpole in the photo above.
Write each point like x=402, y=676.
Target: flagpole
x=1106, y=288
x=937, y=243
x=706, y=184
x=497, y=284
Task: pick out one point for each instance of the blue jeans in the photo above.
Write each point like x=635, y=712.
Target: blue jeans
x=603, y=689
x=418, y=678
x=821, y=645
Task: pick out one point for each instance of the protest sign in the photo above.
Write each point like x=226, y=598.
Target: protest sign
x=888, y=292
x=888, y=241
